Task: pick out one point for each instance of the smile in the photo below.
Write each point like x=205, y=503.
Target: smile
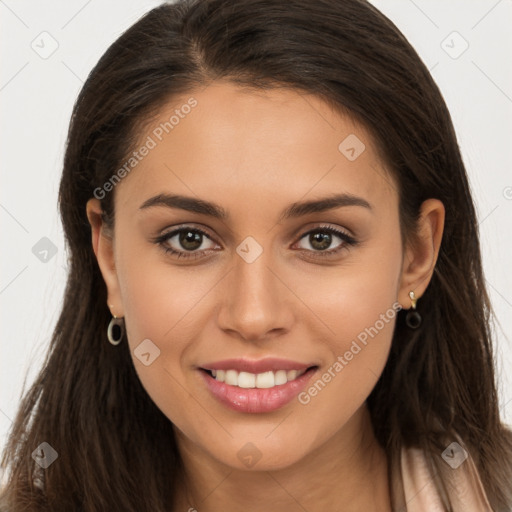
x=259, y=386
x=248, y=380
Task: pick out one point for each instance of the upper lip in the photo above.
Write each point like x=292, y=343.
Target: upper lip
x=256, y=366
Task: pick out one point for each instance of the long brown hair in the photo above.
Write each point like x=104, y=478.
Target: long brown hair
x=116, y=449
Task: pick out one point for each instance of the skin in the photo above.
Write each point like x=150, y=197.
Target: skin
x=254, y=154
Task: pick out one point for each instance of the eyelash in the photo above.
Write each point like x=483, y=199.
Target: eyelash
x=347, y=239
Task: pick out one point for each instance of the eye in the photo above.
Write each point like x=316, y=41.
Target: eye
x=321, y=238
x=186, y=242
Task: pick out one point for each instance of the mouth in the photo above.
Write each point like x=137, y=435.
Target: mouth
x=256, y=391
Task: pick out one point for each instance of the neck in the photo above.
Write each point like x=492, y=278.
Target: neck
x=349, y=469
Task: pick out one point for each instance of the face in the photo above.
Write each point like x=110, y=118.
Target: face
x=290, y=300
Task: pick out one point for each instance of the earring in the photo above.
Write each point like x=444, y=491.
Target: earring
x=115, y=331
x=413, y=318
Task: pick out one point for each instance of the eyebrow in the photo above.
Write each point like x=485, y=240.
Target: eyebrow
x=296, y=209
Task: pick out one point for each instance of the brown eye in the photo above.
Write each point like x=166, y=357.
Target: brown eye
x=186, y=242
x=321, y=239
x=190, y=240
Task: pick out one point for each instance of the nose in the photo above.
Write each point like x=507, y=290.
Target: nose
x=256, y=304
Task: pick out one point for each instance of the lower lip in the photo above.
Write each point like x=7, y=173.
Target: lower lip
x=256, y=400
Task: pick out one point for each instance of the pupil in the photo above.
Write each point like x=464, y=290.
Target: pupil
x=190, y=240
x=320, y=240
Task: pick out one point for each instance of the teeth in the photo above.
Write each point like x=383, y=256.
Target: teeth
x=264, y=380
x=291, y=374
x=251, y=380
x=245, y=380
x=231, y=377
x=280, y=377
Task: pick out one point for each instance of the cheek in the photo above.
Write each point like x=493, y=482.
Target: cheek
x=170, y=306
x=357, y=295
x=160, y=301
x=358, y=308
x=160, y=305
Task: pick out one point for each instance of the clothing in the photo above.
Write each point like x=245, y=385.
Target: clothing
x=418, y=493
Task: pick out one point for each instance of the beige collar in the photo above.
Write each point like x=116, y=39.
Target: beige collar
x=414, y=490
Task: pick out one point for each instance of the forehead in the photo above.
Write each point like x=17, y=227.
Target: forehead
x=224, y=141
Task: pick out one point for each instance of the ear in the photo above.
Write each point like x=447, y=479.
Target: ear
x=421, y=254
x=103, y=245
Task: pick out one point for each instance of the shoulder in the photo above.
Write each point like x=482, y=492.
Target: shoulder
x=460, y=479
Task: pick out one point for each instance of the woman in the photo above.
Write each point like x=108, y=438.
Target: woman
x=275, y=298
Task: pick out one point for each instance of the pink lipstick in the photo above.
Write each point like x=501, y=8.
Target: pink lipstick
x=256, y=386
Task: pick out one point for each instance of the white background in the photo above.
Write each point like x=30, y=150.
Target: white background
x=37, y=95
